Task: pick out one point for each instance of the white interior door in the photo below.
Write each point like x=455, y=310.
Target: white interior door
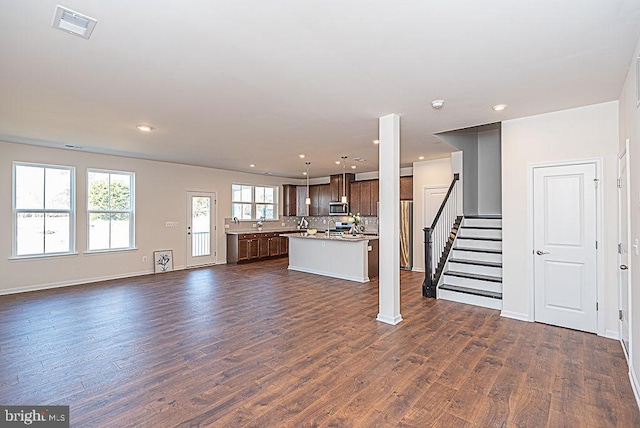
x=623, y=250
x=201, y=228
x=433, y=197
x=565, y=256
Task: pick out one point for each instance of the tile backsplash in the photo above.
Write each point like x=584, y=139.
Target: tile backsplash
x=370, y=223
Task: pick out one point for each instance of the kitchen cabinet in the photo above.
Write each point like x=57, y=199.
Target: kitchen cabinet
x=406, y=188
x=365, y=198
x=302, y=209
x=325, y=198
x=354, y=199
x=336, y=186
x=375, y=196
x=314, y=194
x=290, y=200
x=320, y=195
x=246, y=247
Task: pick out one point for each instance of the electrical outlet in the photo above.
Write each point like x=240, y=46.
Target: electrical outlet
x=255, y=225
x=226, y=226
x=144, y=259
x=282, y=224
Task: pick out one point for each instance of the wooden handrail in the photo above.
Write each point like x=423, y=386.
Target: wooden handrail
x=428, y=286
x=456, y=177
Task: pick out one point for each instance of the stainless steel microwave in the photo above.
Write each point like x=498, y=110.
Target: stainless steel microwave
x=338, y=208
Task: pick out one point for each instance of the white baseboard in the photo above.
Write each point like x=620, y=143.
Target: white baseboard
x=516, y=316
x=39, y=287
x=612, y=334
x=389, y=320
x=635, y=385
x=330, y=274
x=417, y=269
x=81, y=281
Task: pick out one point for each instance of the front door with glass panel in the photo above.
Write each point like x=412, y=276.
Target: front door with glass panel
x=201, y=230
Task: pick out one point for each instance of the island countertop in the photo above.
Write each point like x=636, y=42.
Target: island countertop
x=338, y=237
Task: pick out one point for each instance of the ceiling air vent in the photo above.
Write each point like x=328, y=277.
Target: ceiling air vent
x=73, y=22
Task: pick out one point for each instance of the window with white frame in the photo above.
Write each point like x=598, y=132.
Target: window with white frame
x=254, y=202
x=110, y=210
x=43, y=209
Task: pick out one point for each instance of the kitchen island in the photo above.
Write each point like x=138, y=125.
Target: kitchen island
x=354, y=258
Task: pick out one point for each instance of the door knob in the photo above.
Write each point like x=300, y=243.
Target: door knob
x=624, y=267
x=540, y=253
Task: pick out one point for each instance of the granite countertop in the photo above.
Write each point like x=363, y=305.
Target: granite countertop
x=242, y=232
x=321, y=235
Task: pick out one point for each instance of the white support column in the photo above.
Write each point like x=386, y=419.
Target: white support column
x=389, y=220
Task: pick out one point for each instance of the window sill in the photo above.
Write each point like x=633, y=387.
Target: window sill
x=41, y=256
x=115, y=250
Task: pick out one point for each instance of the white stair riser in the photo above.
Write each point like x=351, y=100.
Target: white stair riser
x=482, y=222
x=474, y=255
x=477, y=269
x=470, y=299
x=475, y=243
x=473, y=283
x=480, y=233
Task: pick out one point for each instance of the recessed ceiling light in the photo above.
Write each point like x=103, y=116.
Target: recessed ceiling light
x=253, y=165
x=437, y=104
x=304, y=173
x=421, y=157
x=338, y=162
x=145, y=128
x=301, y=156
x=376, y=141
x=499, y=107
x=353, y=167
x=73, y=22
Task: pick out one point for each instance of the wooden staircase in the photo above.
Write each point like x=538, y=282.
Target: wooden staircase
x=472, y=273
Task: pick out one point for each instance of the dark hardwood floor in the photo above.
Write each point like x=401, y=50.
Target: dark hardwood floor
x=258, y=345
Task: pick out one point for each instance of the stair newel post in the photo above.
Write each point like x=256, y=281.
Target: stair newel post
x=427, y=286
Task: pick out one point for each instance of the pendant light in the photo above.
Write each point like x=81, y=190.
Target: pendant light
x=344, y=180
x=308, y=199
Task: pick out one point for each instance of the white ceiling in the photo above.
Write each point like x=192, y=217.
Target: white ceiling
x=230, y=83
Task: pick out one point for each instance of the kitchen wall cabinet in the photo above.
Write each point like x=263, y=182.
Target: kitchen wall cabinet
x=336, y=185
x=406, y=188
x=320, y=195
x=302, y=209
x=354, y=199
x=365, y=197
x=290, y=200
x=375, y=196
x=245, y=247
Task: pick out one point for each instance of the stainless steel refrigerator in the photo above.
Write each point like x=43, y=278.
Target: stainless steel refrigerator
x=406, y=235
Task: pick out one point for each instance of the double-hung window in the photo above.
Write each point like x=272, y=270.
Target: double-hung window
x=254, y=202
x=110, y=213
x=43, y=209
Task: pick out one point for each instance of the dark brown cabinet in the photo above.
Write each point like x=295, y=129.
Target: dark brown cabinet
x=337, y=187
x=242, y=247
x=320, y=195
x=406, y=188
x=365, y=198
x=354, y=199
x=375, y=196
x=289, y=200
x=302, y=209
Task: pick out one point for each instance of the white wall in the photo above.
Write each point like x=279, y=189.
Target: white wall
x=467, y=142
x=427, y=173
x=160, y=197
x=489, y=186
x=630, y=128
x=580, y=133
